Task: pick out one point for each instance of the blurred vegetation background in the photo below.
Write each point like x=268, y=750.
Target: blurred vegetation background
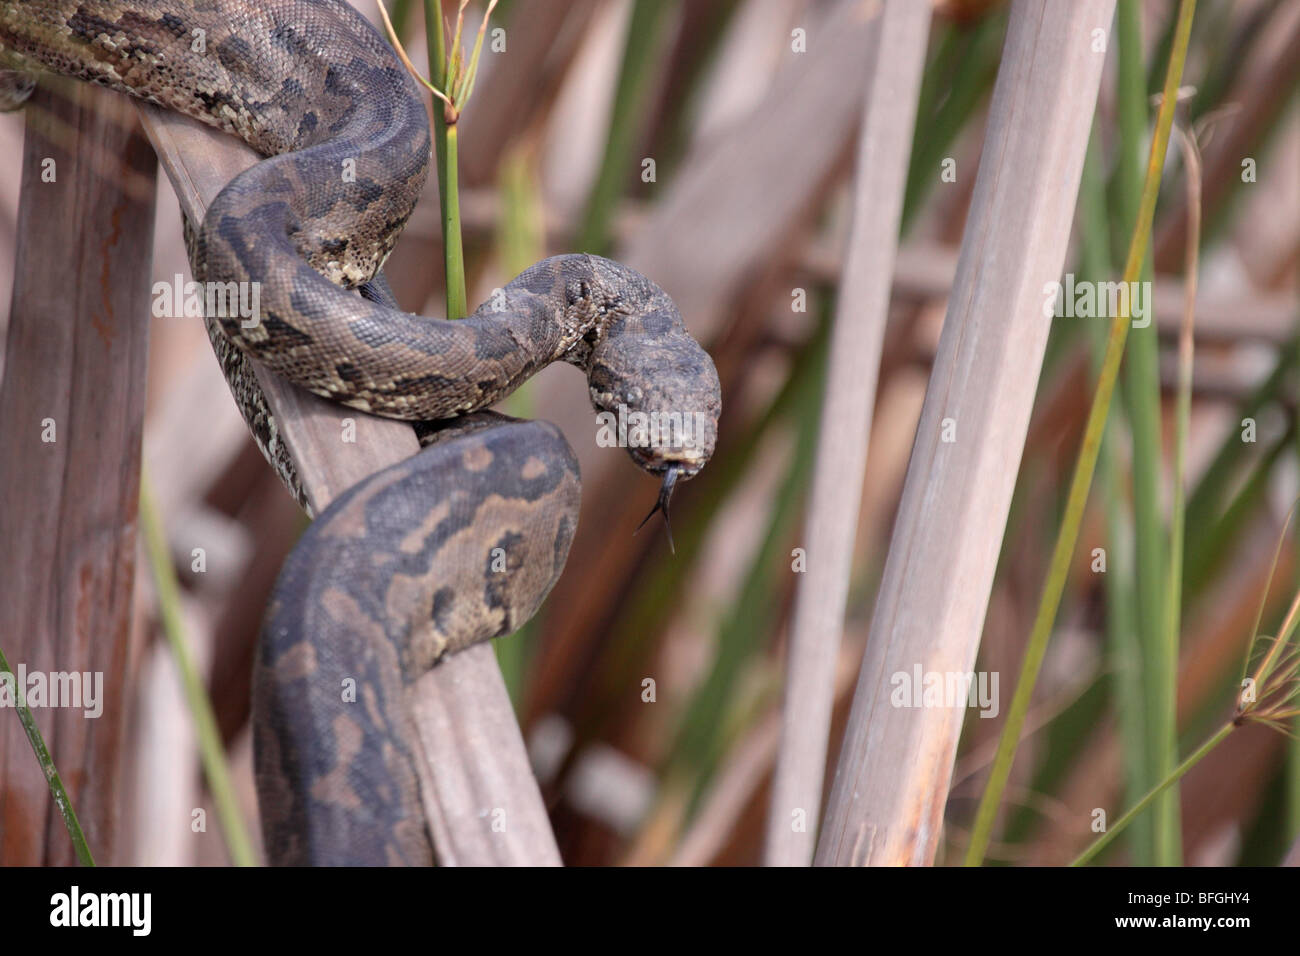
x=692, y=140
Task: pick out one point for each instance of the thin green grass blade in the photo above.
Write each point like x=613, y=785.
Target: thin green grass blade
x=52, y=778
x=215, y=765
x=1142, y=392
x=1123, y=652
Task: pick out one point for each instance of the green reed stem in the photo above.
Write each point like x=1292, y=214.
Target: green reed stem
x=1124, y=654
x=1118, y=827
x=1157, y=672
x=1168, y=810
x=445, y=148
x=1081, y=481
x=453, y=247
x=196, y=695
x=51, y=772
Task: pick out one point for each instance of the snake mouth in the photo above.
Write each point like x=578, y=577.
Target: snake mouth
x=671, y=474
x=656, y=461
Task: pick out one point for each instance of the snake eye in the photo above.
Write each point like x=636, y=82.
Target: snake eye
x=579, y=291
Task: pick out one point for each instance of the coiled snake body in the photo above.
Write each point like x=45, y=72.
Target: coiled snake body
x=463, y=541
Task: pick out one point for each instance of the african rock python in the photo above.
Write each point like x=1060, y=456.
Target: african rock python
x=456, y=545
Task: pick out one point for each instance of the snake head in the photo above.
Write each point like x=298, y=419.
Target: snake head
x=656, y=392
x=657, y=395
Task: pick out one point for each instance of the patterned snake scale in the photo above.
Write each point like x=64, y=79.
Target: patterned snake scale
x=458, y=544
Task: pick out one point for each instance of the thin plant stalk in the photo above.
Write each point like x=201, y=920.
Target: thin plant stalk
x=1271, y=659
x=1270, y=700
x=196, y=696
x=453, y=247
x=452, y=82
x=51, y=772
x=437, y=46
x=1182, y=424
x=448, y=200
x=1118, y=826
x=1157, y=841
x=1081, y=481
x=1124, y=652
